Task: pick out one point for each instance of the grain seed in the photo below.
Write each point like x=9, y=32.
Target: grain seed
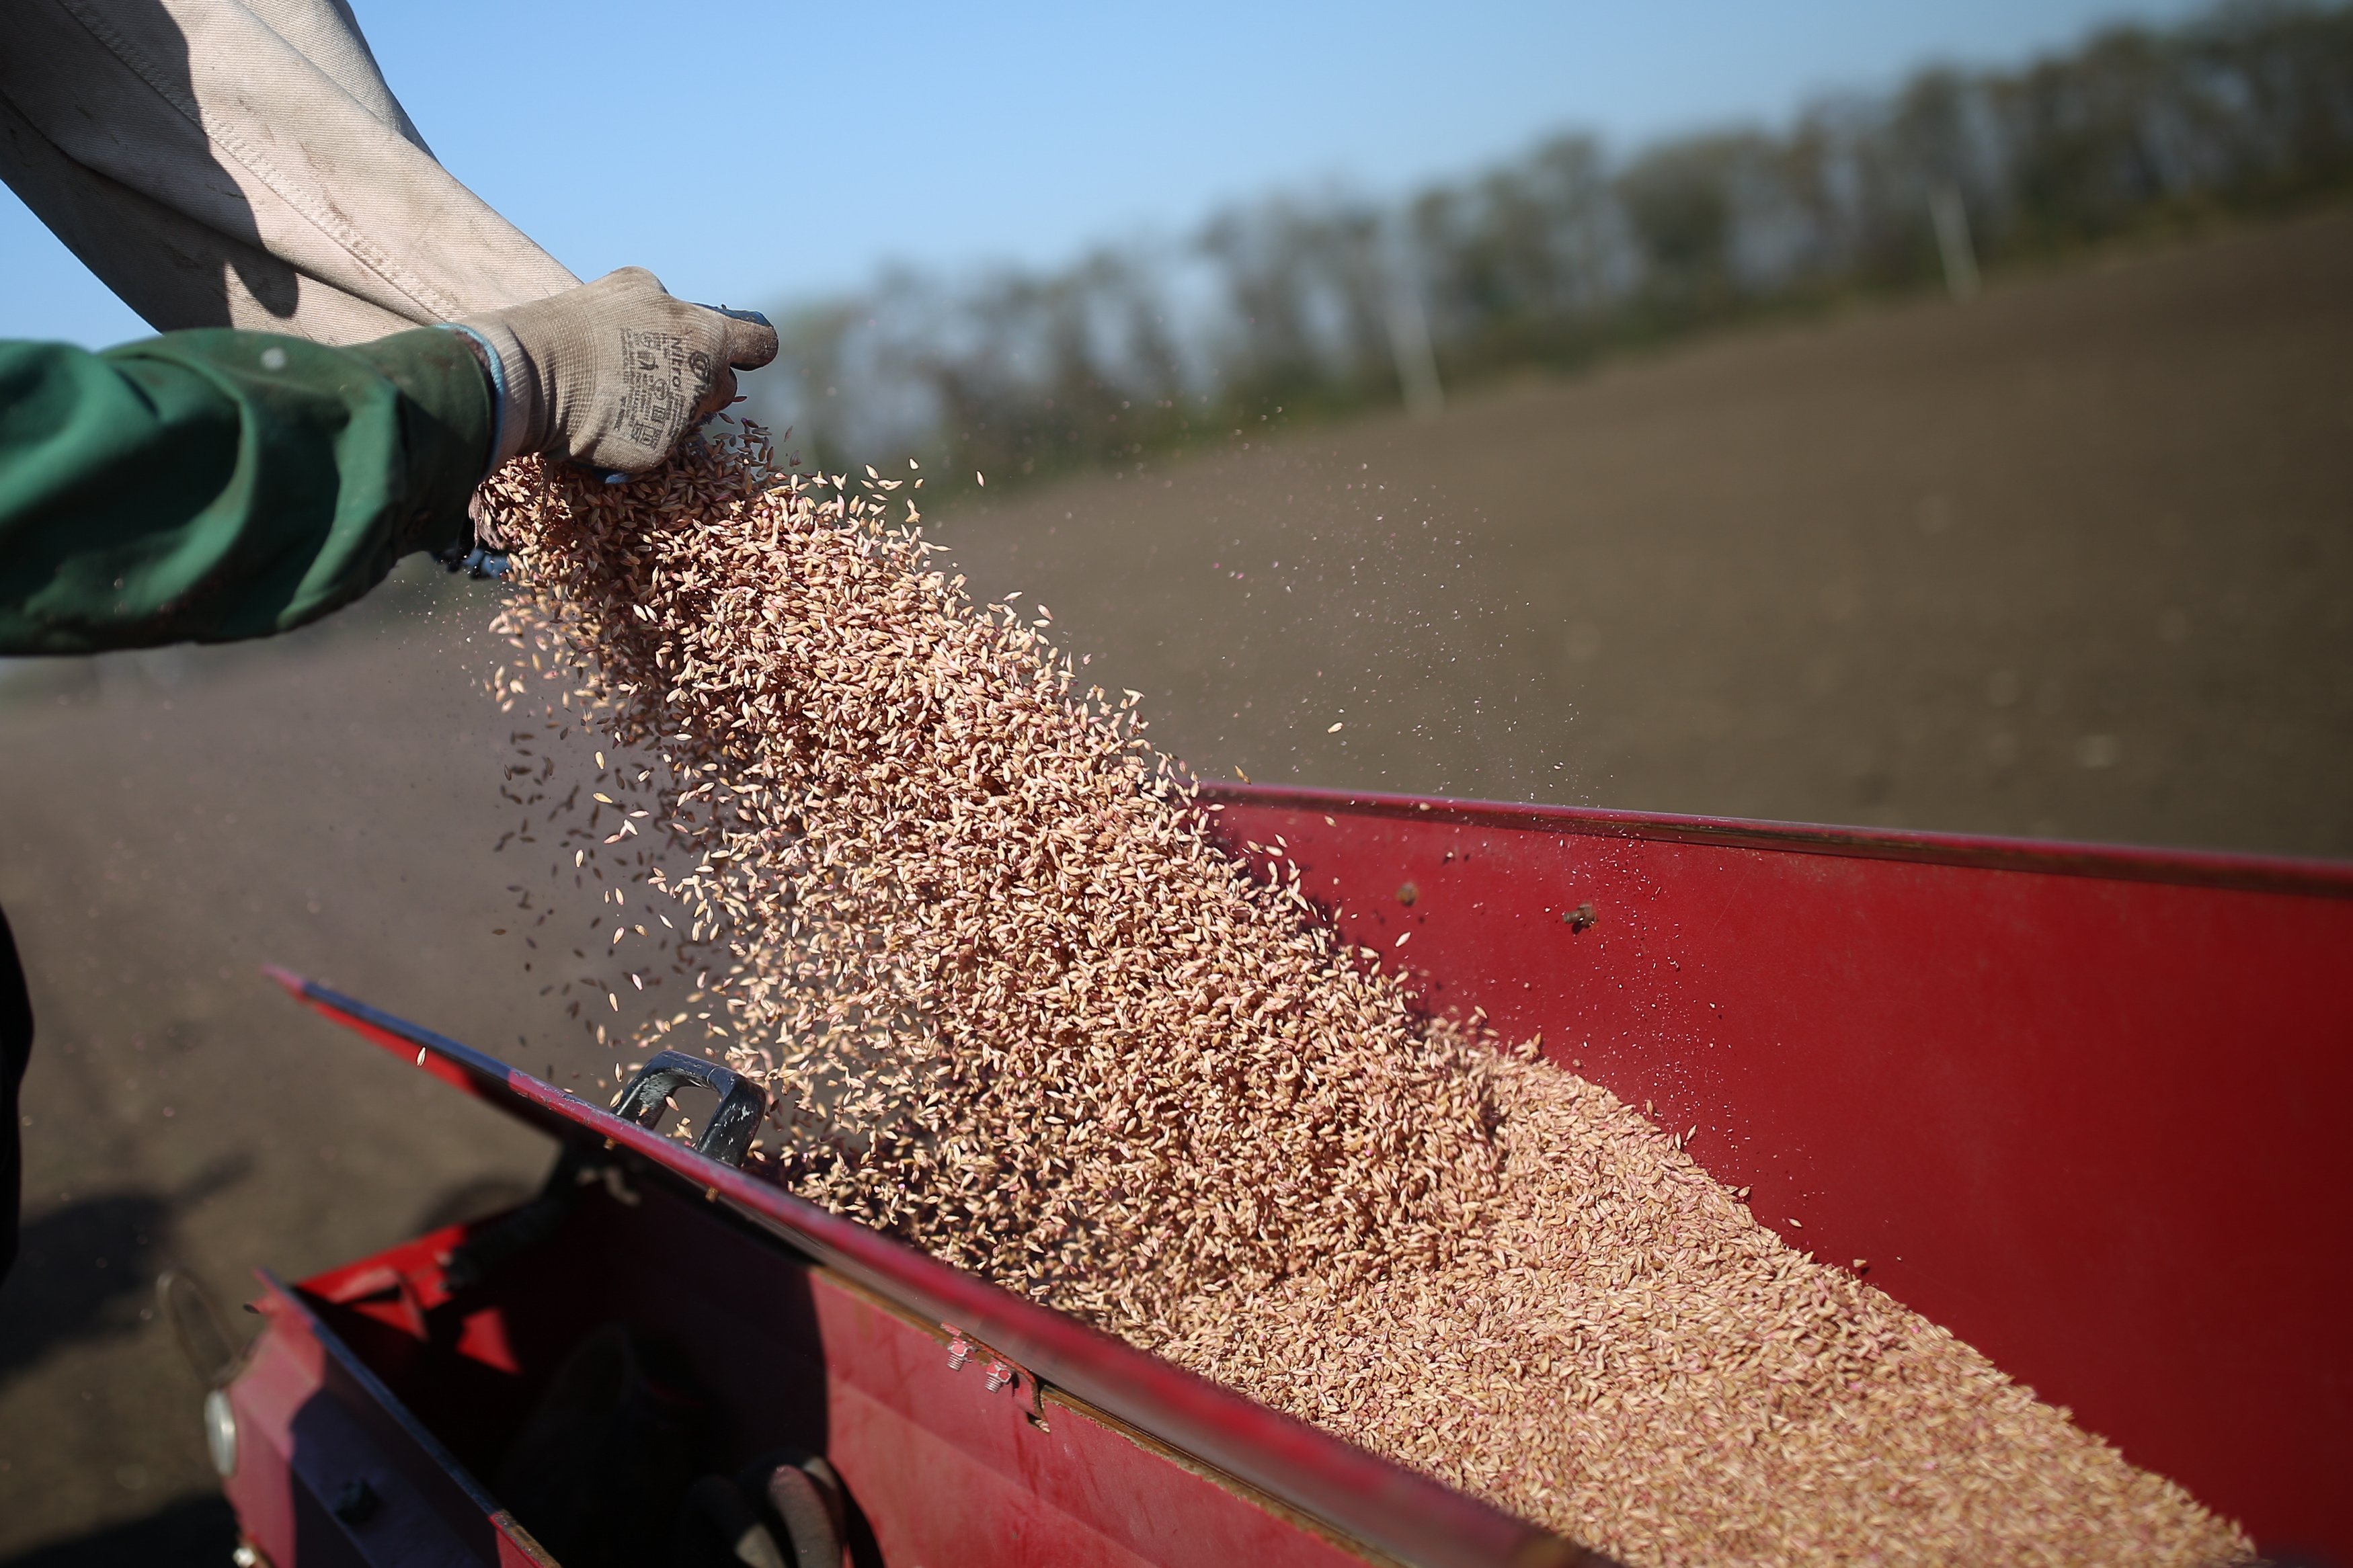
x=1018, y=1006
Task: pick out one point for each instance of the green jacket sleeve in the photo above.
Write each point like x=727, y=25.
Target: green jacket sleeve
x=213, y=485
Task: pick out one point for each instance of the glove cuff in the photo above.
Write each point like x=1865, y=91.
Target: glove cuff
x=514, y=386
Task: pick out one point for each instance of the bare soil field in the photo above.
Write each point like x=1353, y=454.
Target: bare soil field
x=2075, y=559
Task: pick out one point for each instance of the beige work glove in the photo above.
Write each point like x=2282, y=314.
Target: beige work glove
x=610, y=374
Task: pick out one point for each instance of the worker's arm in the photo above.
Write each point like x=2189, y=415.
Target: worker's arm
x=226, y=164
x=213, y=485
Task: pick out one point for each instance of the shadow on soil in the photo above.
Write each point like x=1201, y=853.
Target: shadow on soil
x=195, y=1532
x=87, y=1270
x=84, y=1273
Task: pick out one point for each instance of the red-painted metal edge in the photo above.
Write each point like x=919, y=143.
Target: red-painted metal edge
x=511, y=1541
x=1406, y=1516
x=2123, y=862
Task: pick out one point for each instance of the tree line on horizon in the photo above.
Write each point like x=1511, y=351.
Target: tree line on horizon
x=1296, y=305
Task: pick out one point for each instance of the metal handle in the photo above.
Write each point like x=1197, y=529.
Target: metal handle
x=742, y=1104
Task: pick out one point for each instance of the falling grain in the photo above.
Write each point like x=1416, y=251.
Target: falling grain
x=1020, y=1007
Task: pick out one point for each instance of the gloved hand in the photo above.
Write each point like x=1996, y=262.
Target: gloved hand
x=613, y=372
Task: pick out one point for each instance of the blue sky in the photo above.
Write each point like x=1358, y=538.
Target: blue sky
x=754, y=153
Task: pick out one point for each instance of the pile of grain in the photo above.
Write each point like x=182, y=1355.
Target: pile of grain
x=1018, y=1009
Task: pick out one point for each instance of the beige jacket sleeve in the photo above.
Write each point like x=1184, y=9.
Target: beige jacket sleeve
x=241, y=163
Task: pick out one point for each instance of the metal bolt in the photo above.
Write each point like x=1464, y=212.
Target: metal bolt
x=1000, y=1374
x=959, y=1350
x=356, y=1503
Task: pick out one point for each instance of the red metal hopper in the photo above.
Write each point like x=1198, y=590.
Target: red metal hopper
x=2079, y=1105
